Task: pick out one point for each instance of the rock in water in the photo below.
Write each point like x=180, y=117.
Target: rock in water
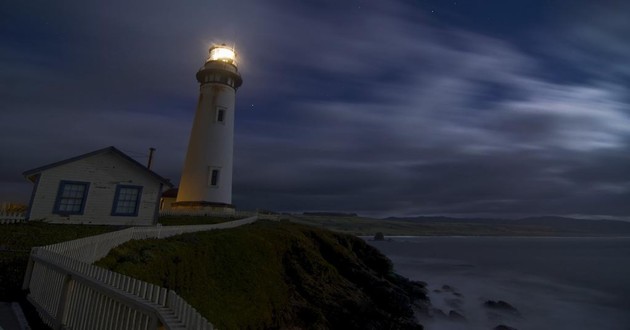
x=447, y=288
x=503, y=327
x=379, y=236
x=455, y=316
x=500, y=305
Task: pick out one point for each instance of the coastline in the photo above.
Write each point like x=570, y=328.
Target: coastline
x=489, y=236
x=554, y=284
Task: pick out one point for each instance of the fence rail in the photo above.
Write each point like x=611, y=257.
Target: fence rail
x=220, y=214
x=70, y=292
x=11, y=217
x=208, y=213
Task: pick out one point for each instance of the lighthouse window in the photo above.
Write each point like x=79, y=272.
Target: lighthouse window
x=220, y=115
x=214, y=177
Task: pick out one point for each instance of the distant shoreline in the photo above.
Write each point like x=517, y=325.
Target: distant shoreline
x=452, y=227
x=490, y=236
x=371, y=237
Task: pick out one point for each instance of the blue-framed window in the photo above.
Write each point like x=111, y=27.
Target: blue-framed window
x=127, y=200
x=71, y=197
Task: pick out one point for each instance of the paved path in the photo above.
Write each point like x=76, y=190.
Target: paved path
x=8, y=321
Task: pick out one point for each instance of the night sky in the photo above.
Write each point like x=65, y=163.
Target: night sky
x=468, y=108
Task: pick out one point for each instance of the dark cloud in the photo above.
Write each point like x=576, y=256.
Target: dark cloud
x=382, y=109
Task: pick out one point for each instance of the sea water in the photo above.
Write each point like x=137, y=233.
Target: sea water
x=554, y=283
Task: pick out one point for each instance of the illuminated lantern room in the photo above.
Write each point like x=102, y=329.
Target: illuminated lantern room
x=220, y=67
x=222, y=53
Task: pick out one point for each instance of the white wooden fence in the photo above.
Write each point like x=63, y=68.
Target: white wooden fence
x=207, y=213
x=14, y=217
x=219, y=214
x=71, y=293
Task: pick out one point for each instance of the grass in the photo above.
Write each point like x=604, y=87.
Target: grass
x=211, y=261
x=192, y=220
x=16, y=241
x=264, y=275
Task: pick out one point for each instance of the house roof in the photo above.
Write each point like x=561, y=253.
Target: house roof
x=111, y=149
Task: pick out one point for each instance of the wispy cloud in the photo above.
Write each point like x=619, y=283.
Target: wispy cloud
x=381, y=109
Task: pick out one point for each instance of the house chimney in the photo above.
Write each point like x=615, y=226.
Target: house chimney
x=151, y=150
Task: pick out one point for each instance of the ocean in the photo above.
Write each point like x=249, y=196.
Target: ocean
x=553, y=283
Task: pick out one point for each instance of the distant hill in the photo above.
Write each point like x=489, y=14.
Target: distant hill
x=562, y=226
x=333, y=214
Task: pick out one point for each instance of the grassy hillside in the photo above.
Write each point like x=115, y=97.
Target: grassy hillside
x=276, y=275
x=16, y=241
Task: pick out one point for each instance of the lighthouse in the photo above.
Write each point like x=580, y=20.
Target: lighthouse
x=206, y=181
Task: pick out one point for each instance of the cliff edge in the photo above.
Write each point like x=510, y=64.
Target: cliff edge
x=277, y=275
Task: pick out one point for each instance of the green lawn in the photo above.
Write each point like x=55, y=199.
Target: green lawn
x=269, y=275
x=16, y=241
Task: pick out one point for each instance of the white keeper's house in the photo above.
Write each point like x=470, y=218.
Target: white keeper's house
x=101, y=187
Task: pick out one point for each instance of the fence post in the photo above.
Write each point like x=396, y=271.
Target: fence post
x=94, y=252
x=29, y=269
x=64, y=302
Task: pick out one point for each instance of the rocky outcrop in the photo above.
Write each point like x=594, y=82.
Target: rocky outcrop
x=379, y=236
x=503, y=327
x=500, y=305
x=279, y=276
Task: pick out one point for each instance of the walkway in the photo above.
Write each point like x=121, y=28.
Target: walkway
x=8, y=321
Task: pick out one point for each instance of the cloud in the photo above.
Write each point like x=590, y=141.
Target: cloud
x=592, y=38
x=374, y=110
x=478, y=152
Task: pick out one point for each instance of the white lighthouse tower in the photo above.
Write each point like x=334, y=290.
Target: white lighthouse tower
x=206, y=181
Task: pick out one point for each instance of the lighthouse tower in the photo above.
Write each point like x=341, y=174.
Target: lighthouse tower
x=206, y=181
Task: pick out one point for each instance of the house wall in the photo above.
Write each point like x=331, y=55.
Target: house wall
x=104, y=172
